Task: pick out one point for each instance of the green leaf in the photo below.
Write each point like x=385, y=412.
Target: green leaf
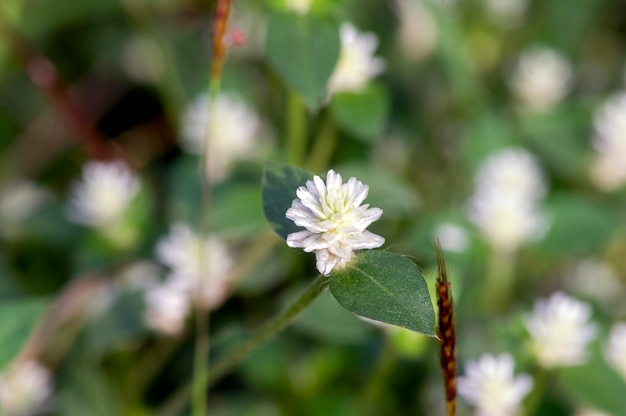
x=362, y=113
x=280, y=182
x=580, y=225
x=595, y=384
x=385, y=287
x=304, y=51
x=18, y=318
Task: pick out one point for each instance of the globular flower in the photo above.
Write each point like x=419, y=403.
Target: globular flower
x=102, y=196
x=18, y=201
x=231, y=128
x=334, y=219
x=202, y=269
x=615, y=350
x=167, y=305
x=417, y=33
x=596, y=280
x=608, y=170
x=541, y=79
x=452, y=237
x=490, y=385
x=356, y=64
x=560, y=330
x=24, y=387
x=509, y=186
x=506, y=12
x=299, y=6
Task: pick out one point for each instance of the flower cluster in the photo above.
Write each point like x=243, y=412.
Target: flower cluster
x=608, y=171
x=357, y=64
x=541, y=79
x=505, y=204
x=615, y=350
x=560, y=329
x=491, y=386
x=334, y=219
x=232, y=132
x=24, y=387
x=200, y=271
x=102, y=196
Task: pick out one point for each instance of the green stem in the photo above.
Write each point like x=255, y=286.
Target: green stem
x=271, y=328
x=499, y=281
x=532, y=402
x=296, y=129
x=227, y=362
x=323, y=147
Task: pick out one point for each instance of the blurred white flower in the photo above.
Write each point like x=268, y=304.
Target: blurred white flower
x=589, y=412
x=596, y=280
x=24, y=387
x=490, y=385
x=417, y=31
x=608, y=171
x=452, y=237
x=507, y=13
x=299, y=6
x=18, y=201
x=615, y=350
x=560, y=329
x=357, y=63
x=334, y=219
x=203, y=269
x=541, y=79
x=232, y=136
x=102, y=196
x=167, y=305
x=505, y=205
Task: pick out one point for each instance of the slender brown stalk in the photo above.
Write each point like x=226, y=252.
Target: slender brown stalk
x=446, y=331
x=43, y=74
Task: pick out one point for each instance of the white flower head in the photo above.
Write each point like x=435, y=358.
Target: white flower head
x=334, y=219
x=541, y=79
x=452, y=237
x=203, y=269
x=232, y=132
x=589, y=412
x=357, y=63
x=608, y=171
x=301, y=7
x=18, y=201
x=595, y=280
x=615, y=350
x=102, y=196
x=507, y=12
x=417, y=32
x=491, y=386
x=24, y=387
x=167, y=306
x=560, y=330
x=505, y=205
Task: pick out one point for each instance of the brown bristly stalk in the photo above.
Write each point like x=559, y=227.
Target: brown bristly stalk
x=446, y=331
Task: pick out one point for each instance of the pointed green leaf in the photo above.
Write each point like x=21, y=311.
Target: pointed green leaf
x=385, y=287
x=19, y=318
x=362, y=113
x=304, y=51
x=280, y=182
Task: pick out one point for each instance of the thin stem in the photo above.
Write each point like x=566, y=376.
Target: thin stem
x=499, y=281
x=237, y=355
x=296, y=129
x=201, y=350
x=532, y=402
x=270, y=329
x=323, y=146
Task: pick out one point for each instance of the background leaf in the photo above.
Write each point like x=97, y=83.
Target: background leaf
x=362, y=113
x=18, y=319
x=304, y=51
x=279, y=186
x=385, y=287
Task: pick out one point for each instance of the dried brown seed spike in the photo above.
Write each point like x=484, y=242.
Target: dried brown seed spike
x=446, y=331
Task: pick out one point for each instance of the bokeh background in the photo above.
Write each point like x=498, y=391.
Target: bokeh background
x=497, y=126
